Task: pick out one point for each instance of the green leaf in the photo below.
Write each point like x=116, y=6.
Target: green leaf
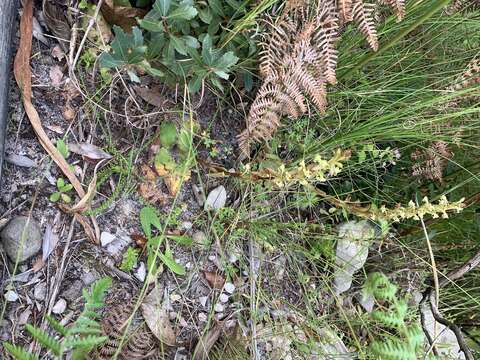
x=164, y=158
x=216, y=7
x=226, y=61
x=127, y=48
x=195, y=83
x=183, y=12
x=125, y=3
x=207, y=53
x=55, y=196
x=169, y=261
x=181, y=239
x=205, y=15
x=66, y=198
x=191, y=42
x=152, y=25
x=130, y=259
x=222, y=74
x=133, y=77
x=185, y=141
x=168, y=134
x=162, y=6
x=60, y=183
x=62, y=148
x=108, y=61
x=149, y=218
x=178, y=44
x=66, y=188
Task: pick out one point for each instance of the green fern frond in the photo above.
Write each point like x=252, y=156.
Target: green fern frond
x=380, y=286
x=86, y=342
x=45, y=339
x=392, y=349
x=414, y=335
x=62, y=330
x=18, y=352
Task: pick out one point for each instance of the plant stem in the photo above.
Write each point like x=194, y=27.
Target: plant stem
x=372, y=55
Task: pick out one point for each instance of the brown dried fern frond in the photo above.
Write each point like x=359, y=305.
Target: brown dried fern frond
x=431, y=162
x=362, y=15
x=470, y=77
x=460, y=5
x=297, y=60
x=139, y=343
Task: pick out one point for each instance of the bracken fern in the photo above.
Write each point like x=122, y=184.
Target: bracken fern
x=80, y=338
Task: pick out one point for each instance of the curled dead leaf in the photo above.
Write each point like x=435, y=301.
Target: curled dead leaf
x=206, y=342
x=125, y=17
x=88, y=150
x=150, y=192
x=215, y=280
x=154, y=311
x=152, y=96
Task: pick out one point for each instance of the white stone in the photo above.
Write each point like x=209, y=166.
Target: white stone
x=229, y=288
x=40, y=291
x=59, y=306
x=212, y=257
x=141, y=272
x=175, y=297
x=202, y=317
x=11, y=296
x=106, y=238
x=219, y=308
x=216, y=199
x=203, y=300
x=223, y=298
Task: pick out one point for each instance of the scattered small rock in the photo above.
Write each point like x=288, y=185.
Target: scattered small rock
x=59, y=306
x=186, y=225
x=182, y=323
x=11, y=296
x=223, y=298
x=141, y=272
x=175, y=297
x=203, y=300
x=21, y=238
x=216, y=199
x=106, y=238
x=73, y=291
x=200, y=238
x=219, y=308
x=229, y=288
x=88, y=278
x=24, y=316
x=202, y=317
x=172, y=315
x=212, y=258
x=40, y=291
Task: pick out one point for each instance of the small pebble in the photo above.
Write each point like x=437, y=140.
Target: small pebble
x=88, y=278
x=229, y=288
x=182, y=322
x=200, y=238
x=219, y=307
x=172, y=315
x=232, y=258
x=106, y=238
x=175, y=297
x=40, y=291
x=223, y=298
x=203, y=300
x=212, y=257
x=59, y=307
x=188, y=265
x=202, y=317
x=141, y=272
x=11, y=296
x=186, y=225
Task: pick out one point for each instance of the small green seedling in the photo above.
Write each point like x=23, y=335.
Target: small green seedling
x=151, y=223
x=61, y=193
x=62, y=148
x=130, y=259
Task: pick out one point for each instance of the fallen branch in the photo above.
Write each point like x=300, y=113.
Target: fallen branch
x=23, y=76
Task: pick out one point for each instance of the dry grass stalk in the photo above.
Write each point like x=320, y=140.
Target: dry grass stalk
x=431, y=162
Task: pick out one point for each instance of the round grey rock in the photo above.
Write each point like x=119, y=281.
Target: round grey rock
x=21, y=238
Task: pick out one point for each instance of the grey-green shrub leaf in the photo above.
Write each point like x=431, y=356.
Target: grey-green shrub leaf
x=183, y=12
x=178, y=44
x=162, y=6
